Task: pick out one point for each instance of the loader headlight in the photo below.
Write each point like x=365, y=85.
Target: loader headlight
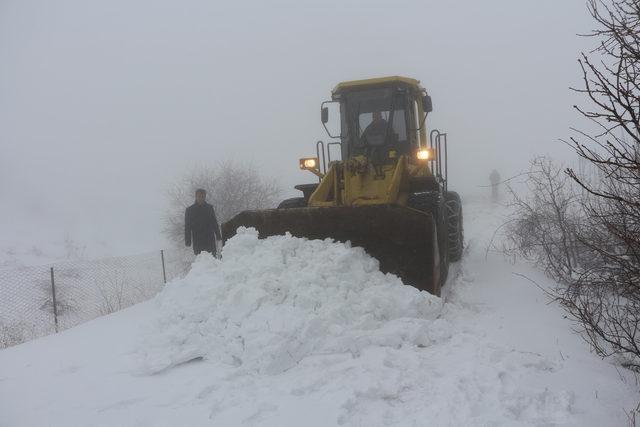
x=426, y=154
x=309, y=163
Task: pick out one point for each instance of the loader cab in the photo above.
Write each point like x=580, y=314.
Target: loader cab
x=381, y=117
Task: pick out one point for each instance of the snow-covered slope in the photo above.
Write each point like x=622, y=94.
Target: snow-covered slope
x=284, y=332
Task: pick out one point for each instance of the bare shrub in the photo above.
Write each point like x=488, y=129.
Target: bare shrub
x=12, y=334
x=585, y=232
x=581, y=243
x=543, y=225
x=65, y=303
x=112, y=294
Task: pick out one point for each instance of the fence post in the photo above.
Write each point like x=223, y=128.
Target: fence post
x=164, y=272
x=55, y=305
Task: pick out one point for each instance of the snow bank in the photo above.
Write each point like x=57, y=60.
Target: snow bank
x=271, y=302
x=310, y=333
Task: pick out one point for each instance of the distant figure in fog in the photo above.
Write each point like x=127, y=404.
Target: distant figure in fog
x=494, y=178
x=201, y=225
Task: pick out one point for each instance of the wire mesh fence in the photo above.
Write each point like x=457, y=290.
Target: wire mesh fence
x=41, y=300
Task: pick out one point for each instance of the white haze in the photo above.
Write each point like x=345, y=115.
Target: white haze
x=103, y=104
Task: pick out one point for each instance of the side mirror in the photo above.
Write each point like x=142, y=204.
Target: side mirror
x=427, y=105
x=324, y=115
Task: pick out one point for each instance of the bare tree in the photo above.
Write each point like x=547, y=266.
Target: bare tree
x=231, y=188
x=585, y=230
x=605, y=298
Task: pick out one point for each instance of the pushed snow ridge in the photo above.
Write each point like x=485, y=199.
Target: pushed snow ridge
x=269, y=303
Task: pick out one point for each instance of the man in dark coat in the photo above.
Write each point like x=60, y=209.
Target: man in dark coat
x=376, y=131
x=200, y=223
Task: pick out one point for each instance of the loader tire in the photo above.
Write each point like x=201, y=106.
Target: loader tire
x=455, y=231
x=295, y=202
x=430, y=202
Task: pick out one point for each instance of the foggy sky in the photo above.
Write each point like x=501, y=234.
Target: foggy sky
x=103, y=104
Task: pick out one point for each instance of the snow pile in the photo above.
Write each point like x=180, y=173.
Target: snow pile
x=310, y=333
x=272, y=302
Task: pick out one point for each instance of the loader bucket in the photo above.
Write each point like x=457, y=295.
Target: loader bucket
x=403, y=240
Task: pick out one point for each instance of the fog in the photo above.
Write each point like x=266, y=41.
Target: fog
x=104, y=104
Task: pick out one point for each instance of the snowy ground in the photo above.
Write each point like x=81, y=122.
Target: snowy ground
x=286, y=332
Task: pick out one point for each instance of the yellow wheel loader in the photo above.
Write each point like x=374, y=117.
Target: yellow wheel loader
x=387, y=193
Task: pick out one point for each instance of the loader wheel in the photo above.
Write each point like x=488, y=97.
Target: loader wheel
x=295, y=202
x=455, y=232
